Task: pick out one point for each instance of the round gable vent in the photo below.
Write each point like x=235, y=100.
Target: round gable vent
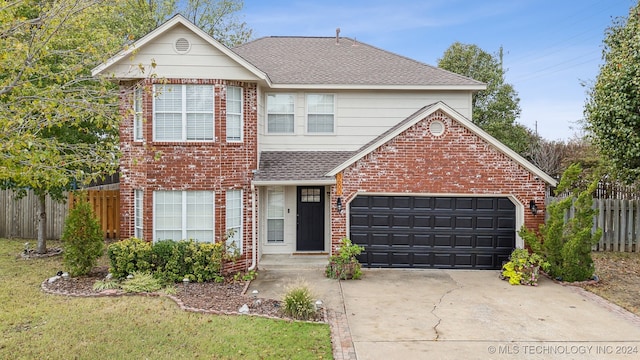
x=182, y=46
x=436, y=128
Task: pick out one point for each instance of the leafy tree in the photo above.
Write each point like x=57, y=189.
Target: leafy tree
x=216, y=17
x=613, y=108
x=57, y=124
x=496, y=108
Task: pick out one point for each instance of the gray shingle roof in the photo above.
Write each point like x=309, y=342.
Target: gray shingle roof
x=322, y=61
x=298, y=165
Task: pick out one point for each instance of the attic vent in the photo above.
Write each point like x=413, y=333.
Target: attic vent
x=182, y=46
x=436, y=128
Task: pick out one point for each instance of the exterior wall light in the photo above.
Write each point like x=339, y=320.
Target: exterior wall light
x=533, y=207
x=339, y=205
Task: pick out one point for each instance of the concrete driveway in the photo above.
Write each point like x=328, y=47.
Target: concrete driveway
x=455, y=314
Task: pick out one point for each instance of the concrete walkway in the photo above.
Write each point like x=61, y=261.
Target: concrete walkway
x=447, y=314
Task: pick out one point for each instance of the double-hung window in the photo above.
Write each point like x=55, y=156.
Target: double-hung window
x=137, y=114
x=234, y=219
x=138, y=203
x=320, y=113
x=234, y=113
x=183, y=215
x=275, y=215
x=280, y=113
x=183, y=113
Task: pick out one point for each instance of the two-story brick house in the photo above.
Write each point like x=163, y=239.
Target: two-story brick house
x=296, y=142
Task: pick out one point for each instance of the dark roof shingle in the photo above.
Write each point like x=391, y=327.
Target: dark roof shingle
x=322, y=61
x=299, y=165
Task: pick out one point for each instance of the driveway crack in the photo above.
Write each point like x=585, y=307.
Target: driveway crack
x=436, y=305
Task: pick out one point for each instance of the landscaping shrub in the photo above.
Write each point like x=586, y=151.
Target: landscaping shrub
x=128, y=256
x=83, y=239
x=168, y=260
x=566, y=243
x=298, y=302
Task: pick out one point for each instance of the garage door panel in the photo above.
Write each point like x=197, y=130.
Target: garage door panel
x=443, y=222
x=403, y=221
x=433, y=232
x=485, y=241
x=484, y=222
x=464, y=204
x=464, y=222
x=360, y=220
x=380, y=220
x=506, y=222
x=485, y=203
x=444, y=203
x=463, y=241
x=401, y=240
x=422, y=240
x=421, y=221
x=463, y=260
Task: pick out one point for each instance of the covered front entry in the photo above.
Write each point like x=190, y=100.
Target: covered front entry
x=310, y=218
x=433, y=232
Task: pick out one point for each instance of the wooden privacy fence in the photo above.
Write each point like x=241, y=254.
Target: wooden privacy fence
x=106, y=206
x=619, y=220
x=620, y=224
x=19, y=216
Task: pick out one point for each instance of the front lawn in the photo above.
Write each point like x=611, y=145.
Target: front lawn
x=35, y=325
x=619, y=275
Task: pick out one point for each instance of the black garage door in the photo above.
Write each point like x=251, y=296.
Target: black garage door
x=433, y=232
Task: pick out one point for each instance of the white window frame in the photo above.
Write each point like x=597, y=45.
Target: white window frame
x=138, y=213
x=235, y=118
x=292, y=114
x=138, y=111
x=184, y=215
x=234, y=217
x=332, y=113
x=184, y=111
x=271, y=216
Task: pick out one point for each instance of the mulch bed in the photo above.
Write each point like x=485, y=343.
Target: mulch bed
x=218, y=298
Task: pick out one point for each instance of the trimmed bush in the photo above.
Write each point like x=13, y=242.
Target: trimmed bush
x=83, y=239
x=168, y=260
x=128, y=256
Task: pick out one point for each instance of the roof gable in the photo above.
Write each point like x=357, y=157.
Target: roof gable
x=454, y=115
x=323, y=61
x=134, y=62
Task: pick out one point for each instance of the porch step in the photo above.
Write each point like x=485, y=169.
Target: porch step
x=293, y=262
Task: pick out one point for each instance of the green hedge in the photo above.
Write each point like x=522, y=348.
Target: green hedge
x=168, y=260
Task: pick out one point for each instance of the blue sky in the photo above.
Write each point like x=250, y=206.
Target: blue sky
x=550, y=47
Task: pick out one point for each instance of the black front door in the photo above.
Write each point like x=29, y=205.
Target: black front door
x=310, y=219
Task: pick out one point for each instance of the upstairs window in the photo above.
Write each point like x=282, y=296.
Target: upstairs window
x=137, y=114
x=280, y=114
x=320, y=113
x=183, y=113
x=234, y=113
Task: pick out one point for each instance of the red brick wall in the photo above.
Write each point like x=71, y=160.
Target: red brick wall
x=216, y=166
x=456, y=162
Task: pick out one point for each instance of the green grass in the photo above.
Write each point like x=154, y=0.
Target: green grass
x=35, y=325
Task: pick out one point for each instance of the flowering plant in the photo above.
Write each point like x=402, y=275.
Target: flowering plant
x=523, y=268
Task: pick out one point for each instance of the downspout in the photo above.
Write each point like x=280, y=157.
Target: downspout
x=254, y=252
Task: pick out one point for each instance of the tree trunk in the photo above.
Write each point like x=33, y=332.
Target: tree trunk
x=42, y=225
